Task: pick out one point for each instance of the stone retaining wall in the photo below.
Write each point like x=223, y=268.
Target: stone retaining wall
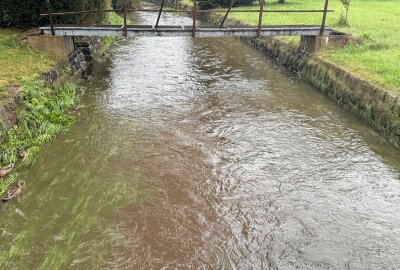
x=377, y=106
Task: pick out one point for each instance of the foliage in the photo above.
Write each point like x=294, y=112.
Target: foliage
x=342, y=21
x=119, y=4
x=114, y=19
x=26, y=14
x=210, y=4
x=41, y=116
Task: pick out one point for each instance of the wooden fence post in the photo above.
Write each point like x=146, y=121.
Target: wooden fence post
x=194, y=18
x=321, y=32
x=125, y=24
x=50, y=17
x=262, y=2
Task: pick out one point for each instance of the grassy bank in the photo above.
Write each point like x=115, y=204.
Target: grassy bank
x=18, y=59
x=375, y=22
x=42, y=114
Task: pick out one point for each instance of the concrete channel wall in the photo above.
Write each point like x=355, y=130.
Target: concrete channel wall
x=376, y=106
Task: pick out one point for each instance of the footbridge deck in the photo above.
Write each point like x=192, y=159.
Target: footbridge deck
x=183, y=30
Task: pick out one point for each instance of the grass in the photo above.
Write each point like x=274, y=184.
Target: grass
x=114, y=19
x=44, y=111
x=186, y=3
x=42, y=115
x=375, y=22
x=18, y=59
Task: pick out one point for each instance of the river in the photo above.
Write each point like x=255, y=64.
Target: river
x=206, y=154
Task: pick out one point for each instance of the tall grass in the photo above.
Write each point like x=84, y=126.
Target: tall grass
x=43, y=114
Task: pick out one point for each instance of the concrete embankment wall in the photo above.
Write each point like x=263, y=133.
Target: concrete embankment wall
x=378, y=107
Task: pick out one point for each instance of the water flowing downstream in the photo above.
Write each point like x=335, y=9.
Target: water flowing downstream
x=205, y=154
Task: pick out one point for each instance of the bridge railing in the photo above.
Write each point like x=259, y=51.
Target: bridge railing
x=193, y=11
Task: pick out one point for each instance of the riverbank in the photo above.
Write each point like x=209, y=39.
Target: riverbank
x=378, y=107
x=38, y=109
x=39, y=92
x=378, y=104
x=374, y=23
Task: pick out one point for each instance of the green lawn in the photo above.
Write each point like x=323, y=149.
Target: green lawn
x=17, y=59
x=376, y=22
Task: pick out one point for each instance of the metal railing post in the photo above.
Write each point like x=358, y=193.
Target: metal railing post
x=227, y=12
x=125, y=24
x=262, y=2
x=321, y=32
x=159, y=13
x=49, y=10
x=194, y=18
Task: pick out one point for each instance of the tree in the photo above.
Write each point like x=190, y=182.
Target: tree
x=26, y=14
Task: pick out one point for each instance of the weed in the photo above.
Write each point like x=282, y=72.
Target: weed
x=20, y=59
x=42, y=115
x=342, y=21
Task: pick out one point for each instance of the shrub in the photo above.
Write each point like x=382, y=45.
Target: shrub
x=119, y=4
x=26, y=14
x=209, y=4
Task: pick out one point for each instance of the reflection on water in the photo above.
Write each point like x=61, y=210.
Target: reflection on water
x=204, y=154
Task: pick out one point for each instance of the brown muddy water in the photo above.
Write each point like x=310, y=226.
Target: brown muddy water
x=206, y=154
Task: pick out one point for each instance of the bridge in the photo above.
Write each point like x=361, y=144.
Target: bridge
x=193, y=30
x=183, y=30
x=59, y=39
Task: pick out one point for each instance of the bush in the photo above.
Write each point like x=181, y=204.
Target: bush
x=342, y=21
x=209, y=4
x=119, y=4
x=26, y=14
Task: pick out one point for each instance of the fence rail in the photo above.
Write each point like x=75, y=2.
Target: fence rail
x=50, y=14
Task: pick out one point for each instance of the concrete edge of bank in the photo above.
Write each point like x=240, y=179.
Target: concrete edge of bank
x=375, y=105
